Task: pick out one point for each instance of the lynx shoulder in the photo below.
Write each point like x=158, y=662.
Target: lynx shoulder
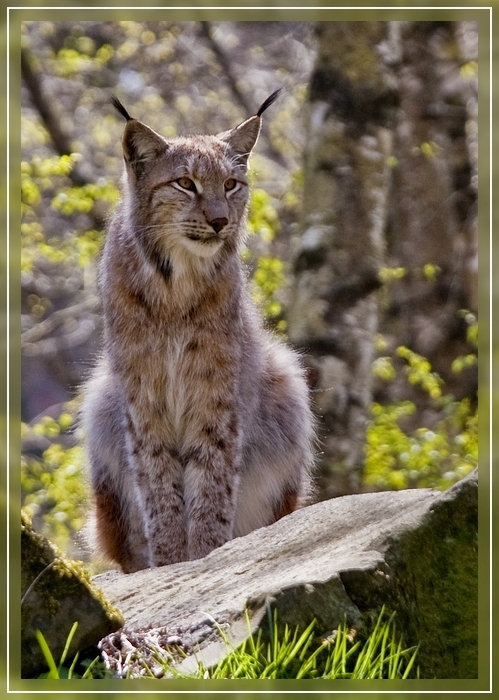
x=197, y=420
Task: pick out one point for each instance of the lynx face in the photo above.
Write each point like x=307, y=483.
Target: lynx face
x=196, y=201
x=189, y=194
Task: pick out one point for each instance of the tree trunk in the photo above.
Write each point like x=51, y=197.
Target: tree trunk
x=467, y=36
x=333, y=310
x=430, y=204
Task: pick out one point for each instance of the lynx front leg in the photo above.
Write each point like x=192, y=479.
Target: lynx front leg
x=210, y=502
x=159, y=477
x=210, y=491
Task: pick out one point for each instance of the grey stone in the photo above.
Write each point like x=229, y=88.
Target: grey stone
x=56, y=592
x=414, y=551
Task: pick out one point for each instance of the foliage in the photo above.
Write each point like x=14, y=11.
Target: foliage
x=49, y=176
x=268, y=278
x=400, y=457
x=299, y=655
x=53, y=488
x=268, y=271
x=73, y=199
x=263, y=218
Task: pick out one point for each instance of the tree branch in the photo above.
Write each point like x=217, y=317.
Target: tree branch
x=60, y=139
x=225, y=63
x=55, y=319
x=56, y=345
x=239, y=96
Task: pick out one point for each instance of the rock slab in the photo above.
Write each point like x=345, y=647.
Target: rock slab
x=414, y=551
x=56, y=592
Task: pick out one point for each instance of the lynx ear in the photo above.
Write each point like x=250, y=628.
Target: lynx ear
x=141, y=144
x=243, y=137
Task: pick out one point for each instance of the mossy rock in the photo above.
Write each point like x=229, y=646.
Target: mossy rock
x=61, y=595
x=413, y=551
x=435, y=585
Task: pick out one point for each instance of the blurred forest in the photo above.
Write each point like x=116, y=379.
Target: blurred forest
x=363, y=228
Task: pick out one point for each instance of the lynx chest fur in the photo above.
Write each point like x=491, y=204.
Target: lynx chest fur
x=197, y=421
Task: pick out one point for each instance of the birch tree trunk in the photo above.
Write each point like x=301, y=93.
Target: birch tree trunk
x=333, y=310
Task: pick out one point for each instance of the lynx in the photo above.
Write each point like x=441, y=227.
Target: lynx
x=197, y=420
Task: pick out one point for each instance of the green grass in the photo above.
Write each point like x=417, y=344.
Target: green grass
x=295, y=655
x=291, y=655
x=60, y=671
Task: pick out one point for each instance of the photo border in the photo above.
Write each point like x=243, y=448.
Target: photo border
x=488, y=291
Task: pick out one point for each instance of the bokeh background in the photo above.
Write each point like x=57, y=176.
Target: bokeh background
x=363, y=238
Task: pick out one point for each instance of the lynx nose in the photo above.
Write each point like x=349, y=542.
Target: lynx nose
x=218, y=224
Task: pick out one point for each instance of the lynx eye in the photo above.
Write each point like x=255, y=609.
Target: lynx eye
x=230, y=184
x=186, y=183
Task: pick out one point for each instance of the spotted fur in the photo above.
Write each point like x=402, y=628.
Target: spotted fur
x=197, y=420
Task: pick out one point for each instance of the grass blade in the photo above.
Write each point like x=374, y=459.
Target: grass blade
x=302, y=644
x=411, y=661
x=68, y=643
x=87, y=673
x=53, y=670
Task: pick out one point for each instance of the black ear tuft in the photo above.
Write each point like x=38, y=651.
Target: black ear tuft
x=270, y=100
x=117, y=105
